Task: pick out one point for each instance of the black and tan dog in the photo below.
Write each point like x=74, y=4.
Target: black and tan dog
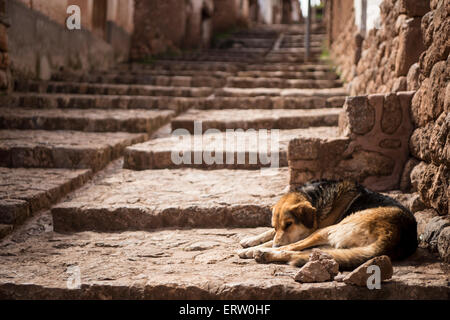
x=348, y=221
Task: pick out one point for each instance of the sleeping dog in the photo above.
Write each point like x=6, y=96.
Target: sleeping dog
x=348, y=221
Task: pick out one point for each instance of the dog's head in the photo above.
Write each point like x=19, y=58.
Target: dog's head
x=294, y=218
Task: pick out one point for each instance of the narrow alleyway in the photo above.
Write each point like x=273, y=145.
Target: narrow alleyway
x=89, y=179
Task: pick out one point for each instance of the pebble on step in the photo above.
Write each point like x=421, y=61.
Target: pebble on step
x=321, y=267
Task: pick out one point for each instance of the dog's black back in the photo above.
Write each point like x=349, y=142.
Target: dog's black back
x=323, y=193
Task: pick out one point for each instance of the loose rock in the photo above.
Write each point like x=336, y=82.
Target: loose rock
x=359, y=276
x=321, y=267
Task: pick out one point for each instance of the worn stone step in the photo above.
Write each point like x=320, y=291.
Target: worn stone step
x=182, y=264
x=268, y=102
x=256, y=119
x=88, y=101
x=249, y=42
x=155, y=80
x=112, y=89
x=279, y=92
x=151, y=199
x=221, y=58
x=287, y=67
x=173, y=65
x=91, y=120
x=24, y=192
x=261, y=82
x=247, y=150
x=290, y=58
x=312, y=75
x=63, y=149
x=153, y=77
x=178, y=104
x=143, y=72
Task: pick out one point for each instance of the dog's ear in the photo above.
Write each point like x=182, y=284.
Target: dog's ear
x=306, y=214
x=309, y=216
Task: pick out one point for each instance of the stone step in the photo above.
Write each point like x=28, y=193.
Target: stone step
x=267, y=102
x=260, y=82
x=149, y=79
x=181, y=104
x=290, y=58
x=256, y=119
x=112, y=89
x=156, y=80
x=277, y=92
x=24, y=192
x=190, y=78
x=173, y=65
x=63, y=149
x=220, y=58
x=246, y=150
x=90, y=120
x=151, y=199
x=87, y=101
x=311, y=75
x=248, y=42
x=287, y=67
x=183, y=264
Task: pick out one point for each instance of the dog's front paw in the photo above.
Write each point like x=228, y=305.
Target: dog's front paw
x=249, y=242
x=246, y=253
x=262, y=256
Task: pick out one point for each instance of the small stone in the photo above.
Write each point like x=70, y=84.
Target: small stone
x=313, y=271
x=321, y=267
x=201, y=246
x=432, y=231
x=359, y=276
x=443, y=245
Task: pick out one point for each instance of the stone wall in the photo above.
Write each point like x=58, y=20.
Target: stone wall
x=40, y=47
x=169, y=25
x=228, y=14
x=5, y=76
x=379, y=61
x=345, y=57
x=430, y=142
x=372, y=147
x=119, y=12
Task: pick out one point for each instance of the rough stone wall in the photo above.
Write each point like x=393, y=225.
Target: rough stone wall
x=371, y=149
x=346, y=57
x=338, y=14
x=389, y=52
x=430, y=142
x=5, y=77
x=119, y=11
x=53, y=9
x=228, y=14
x=170, y=25
x=40, y=47
x=379, y=61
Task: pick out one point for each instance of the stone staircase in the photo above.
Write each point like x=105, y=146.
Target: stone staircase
x=89, y=181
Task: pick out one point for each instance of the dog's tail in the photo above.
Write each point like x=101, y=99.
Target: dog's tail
x=347, y=258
